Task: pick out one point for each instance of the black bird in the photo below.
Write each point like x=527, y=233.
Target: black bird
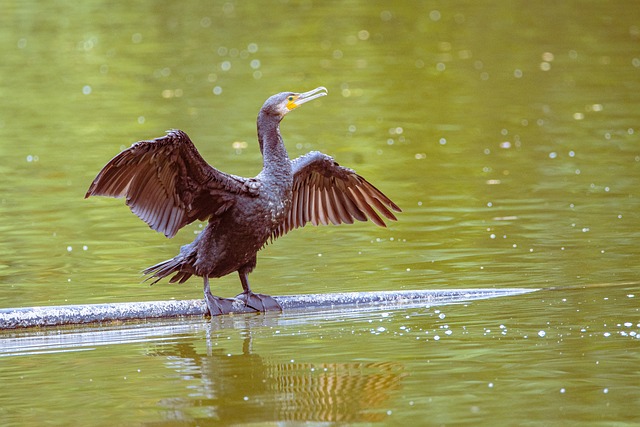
x=169, y=185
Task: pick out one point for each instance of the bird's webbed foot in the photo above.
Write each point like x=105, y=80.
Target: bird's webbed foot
x=259, y=302
x=217, y=305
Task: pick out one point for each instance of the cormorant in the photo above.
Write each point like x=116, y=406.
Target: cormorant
x=169, y=185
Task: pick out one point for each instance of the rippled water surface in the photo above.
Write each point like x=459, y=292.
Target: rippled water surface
x=508, y=132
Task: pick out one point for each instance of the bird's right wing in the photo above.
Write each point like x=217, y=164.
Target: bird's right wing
x=168, y=184
x=325, y=192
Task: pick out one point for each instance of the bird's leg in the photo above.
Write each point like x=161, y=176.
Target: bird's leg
x=258, y=302
x=216, y=305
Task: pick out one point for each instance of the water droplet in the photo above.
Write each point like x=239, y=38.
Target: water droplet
x=547, y=56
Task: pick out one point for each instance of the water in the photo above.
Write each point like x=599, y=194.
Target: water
x=506, y=132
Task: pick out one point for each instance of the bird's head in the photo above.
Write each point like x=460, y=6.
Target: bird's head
x=279, y=105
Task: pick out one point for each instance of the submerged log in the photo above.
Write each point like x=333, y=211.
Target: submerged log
x=12, y=318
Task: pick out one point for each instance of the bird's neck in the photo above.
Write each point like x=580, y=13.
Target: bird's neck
x=274, y=154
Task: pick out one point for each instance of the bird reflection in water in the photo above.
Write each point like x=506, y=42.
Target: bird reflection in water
x=248, y=388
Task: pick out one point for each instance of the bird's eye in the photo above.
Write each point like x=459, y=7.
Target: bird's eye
x=290, y=98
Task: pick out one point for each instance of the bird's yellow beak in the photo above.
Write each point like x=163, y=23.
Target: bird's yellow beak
x=294, y=101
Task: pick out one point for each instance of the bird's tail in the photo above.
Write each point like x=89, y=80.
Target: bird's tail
x=166, y=268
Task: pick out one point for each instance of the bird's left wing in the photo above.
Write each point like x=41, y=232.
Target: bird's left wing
x=325, y=192
x=168, y=184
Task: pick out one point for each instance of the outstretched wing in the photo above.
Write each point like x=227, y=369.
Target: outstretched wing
x=168, y=184
x=325, y=192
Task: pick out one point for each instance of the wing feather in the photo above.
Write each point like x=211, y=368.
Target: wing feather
x=365, y=207
x=330, y=203
x=321, y=209
x=341, y=207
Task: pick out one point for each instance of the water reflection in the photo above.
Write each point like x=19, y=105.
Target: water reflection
x=246, y=387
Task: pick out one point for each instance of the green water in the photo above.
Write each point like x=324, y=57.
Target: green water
x=507, y=131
